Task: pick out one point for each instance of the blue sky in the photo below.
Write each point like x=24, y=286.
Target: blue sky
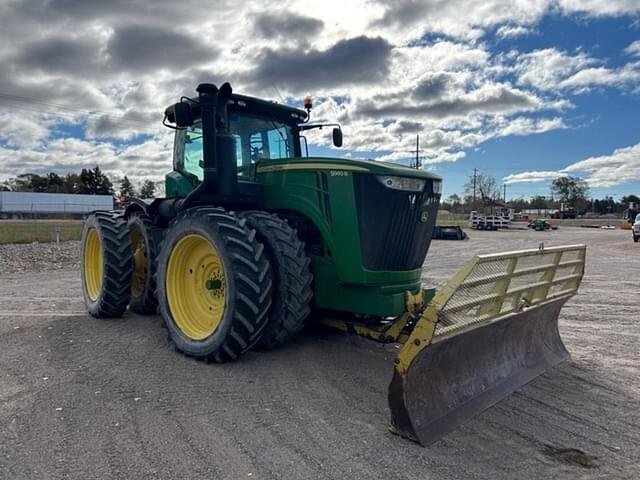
x=601, y=121
x=523, y=90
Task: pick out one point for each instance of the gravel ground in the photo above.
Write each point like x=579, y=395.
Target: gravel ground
x=83, y=398
x=38, y=257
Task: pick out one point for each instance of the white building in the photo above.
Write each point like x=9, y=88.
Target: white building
x=12, y=203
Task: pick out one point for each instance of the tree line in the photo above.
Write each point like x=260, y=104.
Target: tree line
x=570, y=191
x=92, y=181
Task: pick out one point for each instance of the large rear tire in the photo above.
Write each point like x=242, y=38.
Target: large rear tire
x=214, y=288
x=143, y=283
x=107, y=264
x=291, y=277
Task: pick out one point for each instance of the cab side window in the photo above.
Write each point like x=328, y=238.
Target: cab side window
x=257, y=140
x=278, y=143
x=193, y=162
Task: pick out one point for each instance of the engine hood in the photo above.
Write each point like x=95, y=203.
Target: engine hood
x=344, y=164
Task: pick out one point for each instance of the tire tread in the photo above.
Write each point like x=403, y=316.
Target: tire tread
x=247, y=274
x=148, y=302
x=292, y=278
x=118, y=265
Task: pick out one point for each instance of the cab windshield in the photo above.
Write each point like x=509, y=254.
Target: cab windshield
x=258, y=139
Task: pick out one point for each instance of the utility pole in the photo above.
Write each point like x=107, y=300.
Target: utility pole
x=475, y=173
x=417, y=163
x=505, y=192
x=417, y=148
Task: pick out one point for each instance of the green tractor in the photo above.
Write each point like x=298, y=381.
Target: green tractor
x=254, y=236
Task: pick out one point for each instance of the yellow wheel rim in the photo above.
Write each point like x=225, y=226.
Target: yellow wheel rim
x=139, y=263
x=196, y=287
x=93, y=264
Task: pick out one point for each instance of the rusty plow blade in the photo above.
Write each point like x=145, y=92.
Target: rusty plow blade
x=489, y=331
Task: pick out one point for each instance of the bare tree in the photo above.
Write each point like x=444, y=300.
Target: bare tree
x=486, y=188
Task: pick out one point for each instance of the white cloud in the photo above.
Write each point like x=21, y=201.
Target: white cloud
x=601, y=76
x=545, y=69
x=150, y=159
x=87, y=64
x=529, y=126
x=513, y=31
x=463, y=19
x=622, y=166
x=530, y=177
x=21, y=131
x=600, y=7
x=633, y=48
x=554, y=70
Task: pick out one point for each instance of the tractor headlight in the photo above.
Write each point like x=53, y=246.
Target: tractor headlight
x=406, y=184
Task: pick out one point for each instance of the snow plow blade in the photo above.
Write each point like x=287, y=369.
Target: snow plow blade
x=489, y=331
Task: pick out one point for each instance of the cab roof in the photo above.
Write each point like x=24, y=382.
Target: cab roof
x=259, y=106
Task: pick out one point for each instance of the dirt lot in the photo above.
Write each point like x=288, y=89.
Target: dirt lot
x=82, y=398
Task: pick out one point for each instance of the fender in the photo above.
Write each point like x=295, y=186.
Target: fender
x=136, y=205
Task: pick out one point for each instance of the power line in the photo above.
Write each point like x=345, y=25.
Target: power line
x=38, y=101
x=70, y=116
x=58, y=107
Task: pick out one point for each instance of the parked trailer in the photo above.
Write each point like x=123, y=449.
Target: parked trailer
x=491, y=222
x=16, y=204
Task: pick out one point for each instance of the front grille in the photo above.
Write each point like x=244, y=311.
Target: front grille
x=392, y=237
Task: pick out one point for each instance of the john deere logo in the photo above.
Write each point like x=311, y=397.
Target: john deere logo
x=424, y=216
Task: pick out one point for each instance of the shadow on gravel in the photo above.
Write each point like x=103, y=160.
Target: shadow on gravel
x=570, y=456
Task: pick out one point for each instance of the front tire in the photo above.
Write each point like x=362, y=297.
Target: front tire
x=107, y=264
x=291, y=275
x=214, y=291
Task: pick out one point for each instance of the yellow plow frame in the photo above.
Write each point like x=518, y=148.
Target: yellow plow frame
x=492, y=328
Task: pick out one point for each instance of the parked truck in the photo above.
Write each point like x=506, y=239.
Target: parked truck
x=565, y=211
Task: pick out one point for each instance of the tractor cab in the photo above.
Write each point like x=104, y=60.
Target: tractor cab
x=261, y=132
x=257, y=130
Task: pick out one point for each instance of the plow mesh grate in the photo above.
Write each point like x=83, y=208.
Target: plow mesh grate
x=491, y=286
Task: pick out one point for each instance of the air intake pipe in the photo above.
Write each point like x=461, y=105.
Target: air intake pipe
x=218, y=146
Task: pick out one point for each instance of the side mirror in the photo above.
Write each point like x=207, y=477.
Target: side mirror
x=337, y=137
x=180, y=114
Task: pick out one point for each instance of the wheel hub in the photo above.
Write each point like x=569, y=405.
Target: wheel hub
x=196, y=286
